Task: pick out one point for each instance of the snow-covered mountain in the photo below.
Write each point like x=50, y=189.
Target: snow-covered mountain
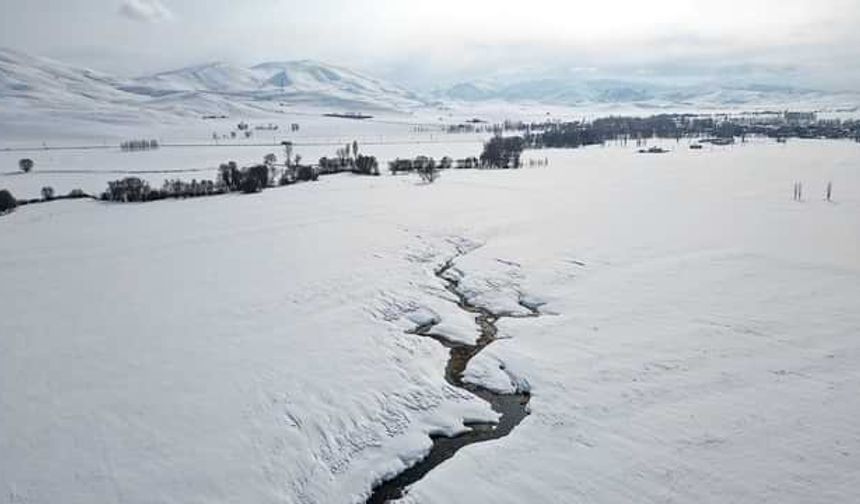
x=291, y=83
x=656, y=93
x=32, y=84
x=41, y=82
x=34, y=88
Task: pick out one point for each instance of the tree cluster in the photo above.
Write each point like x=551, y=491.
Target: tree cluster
x=425, y=163
x=138, y=145
x=330, y=166
x=503, y=152
x=306, y=173
x=129, y=189
x=254, y=179
x=250, y=179
x=135, y=190
x=723, y=129
x=230, y=178
x=366, y=165
x=348, y=159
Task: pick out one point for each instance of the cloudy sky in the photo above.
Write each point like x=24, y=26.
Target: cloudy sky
x=441, y=41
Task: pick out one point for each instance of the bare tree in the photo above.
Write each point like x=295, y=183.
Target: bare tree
x=288, y=152
x=428, y=171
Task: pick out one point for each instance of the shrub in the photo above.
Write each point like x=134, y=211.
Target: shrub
x=307, y=173
x=400, y=165
x=47, y=193
x=7, y=201
x=26, y=165
x=250, y=185
x=260, y=173
x=254, y=179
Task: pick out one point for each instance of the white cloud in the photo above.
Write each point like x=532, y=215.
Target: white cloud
x=150, y=11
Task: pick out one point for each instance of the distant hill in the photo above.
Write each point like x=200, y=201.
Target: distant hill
x=30, y=84
x=291, y=82
x=662, y=93
x=42, y=82
x=38, y=88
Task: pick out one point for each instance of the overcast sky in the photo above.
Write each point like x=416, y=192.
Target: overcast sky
x=441, y=41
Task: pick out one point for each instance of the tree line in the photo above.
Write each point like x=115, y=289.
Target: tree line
x=676, y=126
x=139, y=145
x=246, y=180
x=8, y=202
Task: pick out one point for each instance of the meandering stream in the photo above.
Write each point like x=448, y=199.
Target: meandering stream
x=512, y=407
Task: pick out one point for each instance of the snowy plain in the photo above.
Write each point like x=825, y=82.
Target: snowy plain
x=705, y=347
x=90, y=155
x=699, y=337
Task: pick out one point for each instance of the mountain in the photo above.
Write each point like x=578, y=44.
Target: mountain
x=33, y=88
x=576, y=91
x=29, y=84
x=311, y=77
x=292, y=82
x=42, y=82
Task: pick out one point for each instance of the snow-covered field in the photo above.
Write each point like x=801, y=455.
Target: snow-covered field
x=699, y=338
x=189, y=152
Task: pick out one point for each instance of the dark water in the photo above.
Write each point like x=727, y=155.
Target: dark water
x=512, y=407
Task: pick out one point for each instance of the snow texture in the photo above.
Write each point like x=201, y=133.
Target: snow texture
x=698, y=338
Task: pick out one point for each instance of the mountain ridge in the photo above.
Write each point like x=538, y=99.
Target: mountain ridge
x=42, y=83
x=31, y=84
x=575, y=92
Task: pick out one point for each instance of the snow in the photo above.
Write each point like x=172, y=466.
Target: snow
x=727, y=90
x=189, y=152
x=290, y=81
x=46, y=88
x=488, y=370
x=696, y=339
x=704, y=345
x=42, y=100
x=215, y=350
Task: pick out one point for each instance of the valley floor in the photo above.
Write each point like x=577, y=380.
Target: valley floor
x=699, y=338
